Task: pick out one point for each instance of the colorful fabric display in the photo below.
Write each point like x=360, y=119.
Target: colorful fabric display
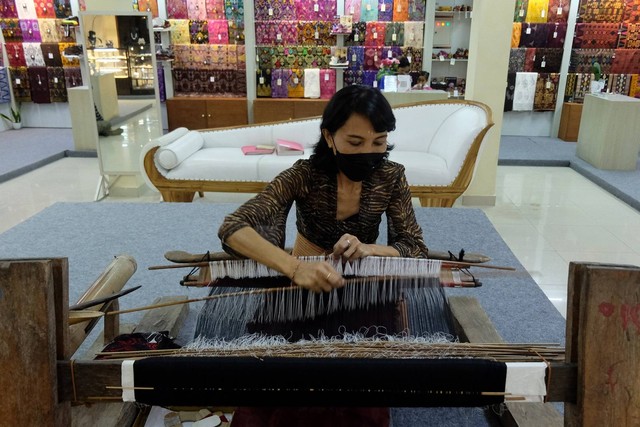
x=524, y=92
x=20, y=84
x=509, y=92
x=236, y=32
x=218, y=31
x=9, y=9
x=162, y=91
x=631, y=12
x=353, y=77
x=26, y=10
x=369, y=10
x=369, y=78
x=311, y=83
x=516, y=33
x=263, y=82
x=546, y=92
x=414, y=34
x=11, y=30
x=15, y=54
x=517, y=60
x=241, y=55
x=634, y=86
x=400, y=10
x=72, y=77
x=30, y=30
x=583, y=85
x=556, y=34
x=534, y=35
x=181, y=82
x=375, y=34
x=520, y=13
x=537, y=11
x=558, y=11
x=149, y=6
x=417, y=10
x=548, y=60
x=240, y=82
x=177, y=9
x=626, y=61
x=385, y=10
x=215, y=9
x=631, y=38
x=414, y=56
x=358, y=34
x=181, y=55
x=352, y=7
x=5, y=93
x=180, y=31
x=327, y=83
x=394, y=34
x=355, y=56
x=529, y=59
x=196, y=10
x=218, y=82
x=68, y=61
x=372, y=58
x=390, y=52
x=315, y=10
x=33, y=55
x=234, y=10
x=39, y=84
x=315, y=33
x=600, y=10
x=582, y=60
x=280, y=82
x=50, y=31
x=278, y=33
x=45, y=9
x=63, y=8
x=594, y=35
x=570, y=87
x=198, y=32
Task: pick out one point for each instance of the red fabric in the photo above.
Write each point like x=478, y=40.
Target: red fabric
x=311, y=417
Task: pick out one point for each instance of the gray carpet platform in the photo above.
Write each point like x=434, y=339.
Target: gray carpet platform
x=90, y=234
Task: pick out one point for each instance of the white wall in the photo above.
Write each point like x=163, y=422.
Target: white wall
x=527, y=123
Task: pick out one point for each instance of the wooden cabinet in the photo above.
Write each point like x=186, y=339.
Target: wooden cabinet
x=206, y=113
x=273, y=110
x=570, y=121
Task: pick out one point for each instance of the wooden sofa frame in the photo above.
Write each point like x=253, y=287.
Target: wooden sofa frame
x=429, y=196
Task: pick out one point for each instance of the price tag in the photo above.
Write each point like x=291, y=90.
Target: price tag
x=543, y=64
x=295, y=80
x=317, y=34
x=212, y=79
x=261, y=80
x=399, y=8
x=55, y=80
x=548, y=85
x=278, y=36
x=559, y=12
x=375, y=57
x=543, y=13
x=270, y=11
x=383, y=7
x=441, y=57
x=368, y=6
x=219, y=36
x=356, y=37
x=453, y=61
x=528, y=30
x=354, y=57
x=375, y=83
x=409, y=58
x=326, y=77
x=521, y=12
x=394, y=37
x=389, y=54
x=351, y=10
x=279, y=82
x=412, y=37
x=50, y=55
x=375, y=35
x=555, y=34
x=17, y=81
x=316, y=8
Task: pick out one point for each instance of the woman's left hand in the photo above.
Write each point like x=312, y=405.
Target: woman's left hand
x=349, y=248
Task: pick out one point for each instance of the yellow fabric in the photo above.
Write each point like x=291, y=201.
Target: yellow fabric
x=537, y=11
x=515, y=34
x=634, y=88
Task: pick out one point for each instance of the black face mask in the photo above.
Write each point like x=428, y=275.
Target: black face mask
x=358, y=167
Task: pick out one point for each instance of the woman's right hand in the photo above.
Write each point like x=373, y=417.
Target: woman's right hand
x=317, y=276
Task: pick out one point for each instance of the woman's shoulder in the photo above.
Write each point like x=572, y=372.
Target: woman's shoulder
x=392, y=167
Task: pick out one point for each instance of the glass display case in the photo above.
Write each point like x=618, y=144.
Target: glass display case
x=104, y=60
x=141, y=69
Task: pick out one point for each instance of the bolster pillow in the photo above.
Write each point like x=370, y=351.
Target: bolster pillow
x=175, y=153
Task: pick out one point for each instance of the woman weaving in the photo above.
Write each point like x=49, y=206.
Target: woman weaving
x=341, y=193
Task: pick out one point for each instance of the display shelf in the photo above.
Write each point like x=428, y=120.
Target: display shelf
x=108, y=60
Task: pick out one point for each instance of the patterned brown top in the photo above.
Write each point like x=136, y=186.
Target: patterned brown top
x=315, y=195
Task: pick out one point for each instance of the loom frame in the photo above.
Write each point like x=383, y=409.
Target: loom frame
x=41, y=387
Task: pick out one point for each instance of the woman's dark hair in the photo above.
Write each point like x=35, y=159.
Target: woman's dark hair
x=359, y=99
x=404, y=62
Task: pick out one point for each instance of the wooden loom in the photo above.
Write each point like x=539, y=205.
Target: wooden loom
x=599, y=380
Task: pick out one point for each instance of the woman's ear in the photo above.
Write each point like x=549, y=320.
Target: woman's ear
x=327, y=137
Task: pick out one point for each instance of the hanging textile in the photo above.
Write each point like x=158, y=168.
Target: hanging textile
x=390, y=52
x=327, y=83
x=240, y=82
x=11, y=30
x=241, y=56
x=68, y=61
x=196, y=10
x=280, y=82
x=215, y=9
x=5, y=93
x=594, y=35
x=15, y=54
x=548, y=60
x=375, y=34
x=33, y=55
x=72, y=77
x=236, y=32
x=50, y=30
x=534, y=35
x=234, y=10
x=369, y=78
x=509, y=92
x=556, y=34
x=546, y=92
x=181, y=82
x=20, y=84
x=626, y=61
x=524, y=92
x=369, y=10
x=394, y=34
x=311, y=83
x=352, y=7
x=414, y=34
x=177, y=9
x=355, y=56
x=517, y=60
x=537, y=11
x=353, y=77
x=400, y=10
x=218, y=31
x=632, y=36
x=600, y=10
x=57, y=87
x=9, y=9
x=631, y=11
x=30, y=30
x=634, y=86
x=372, y=58
x=26, y=9
x=45, y=9
x=570, y=87
x=516, y=33
x=263, y=81
x=63, y=8
x=583, y=85
x=180, y=33
x=417, y=10
x=520, y=13
x=385, y=10
x=583, y=59
x=559, y=11
x=149, y=6
x=529, y=59
x=358, y=34
x=414, y=56
x=198, y=32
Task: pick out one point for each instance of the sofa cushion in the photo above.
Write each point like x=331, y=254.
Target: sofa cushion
x=422, y=168
x=171, y=155
x=217, y=164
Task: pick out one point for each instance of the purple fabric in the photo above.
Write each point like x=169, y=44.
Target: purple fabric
x=30, y=30
x=161, y=86
x=281, y=76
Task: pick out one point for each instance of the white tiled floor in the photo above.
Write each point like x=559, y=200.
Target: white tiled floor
x=548, y=216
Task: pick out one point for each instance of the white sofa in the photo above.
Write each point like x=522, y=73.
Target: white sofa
x=436, y=141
